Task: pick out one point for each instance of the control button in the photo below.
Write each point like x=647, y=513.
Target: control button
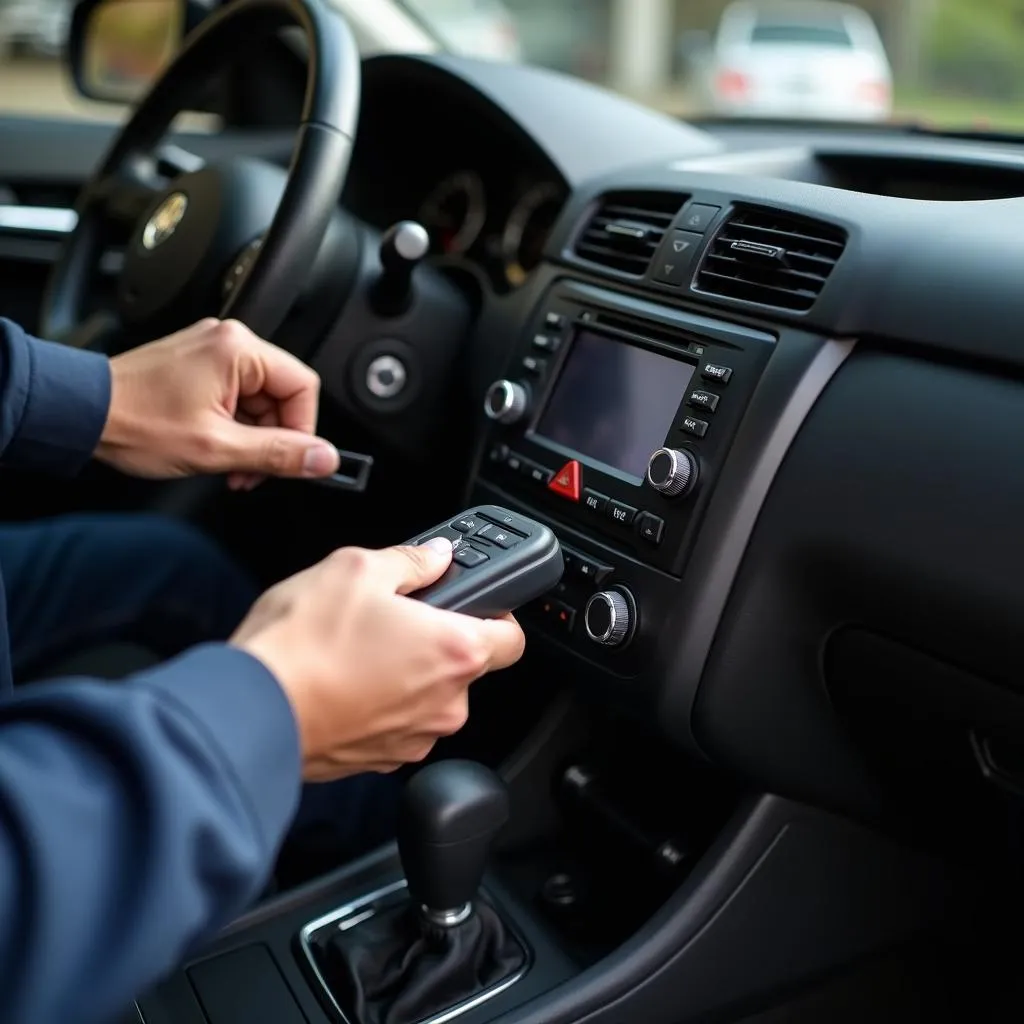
x=498, y=454
x=608, y=618
x=514, y=462
x=698, y=217
x=566, y=482
x=469, y=558
x=496, y=535
x=386, y=377
x=592, y=572
x=651, y=528
x=672, y=472
x=582, y=567
x=467, y=524
x=672, y=264
x=554, y=321
x=719, y=374
x=704, y=400
x=546, y=343
x=538, y=474
x=594, y=501
x=506, y=401
x=535, y=366
x=620, y=513
x=698, y=428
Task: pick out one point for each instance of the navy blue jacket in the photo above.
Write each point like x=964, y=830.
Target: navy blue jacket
x=134, y=819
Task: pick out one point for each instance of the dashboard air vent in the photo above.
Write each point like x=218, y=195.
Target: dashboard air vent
x=773, y=259
x=626, y=229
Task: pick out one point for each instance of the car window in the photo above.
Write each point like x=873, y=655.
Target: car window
x=793, y=33
x=33, y=80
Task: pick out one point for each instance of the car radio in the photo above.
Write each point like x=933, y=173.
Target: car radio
x=616, y=414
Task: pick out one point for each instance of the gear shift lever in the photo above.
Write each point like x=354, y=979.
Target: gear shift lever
x=402, y=249
x=442, y=945
x=451, y=813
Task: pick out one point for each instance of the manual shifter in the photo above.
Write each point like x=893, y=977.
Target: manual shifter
x=442, y=944
x=450, y=814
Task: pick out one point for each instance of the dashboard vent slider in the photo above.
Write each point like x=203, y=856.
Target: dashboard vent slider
x=771, y=259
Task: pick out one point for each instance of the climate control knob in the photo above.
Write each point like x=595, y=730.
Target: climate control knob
x=506, y=401
x=608, y=618
x=671, y=471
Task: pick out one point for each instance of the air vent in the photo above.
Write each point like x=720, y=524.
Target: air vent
x=627, y=228
x=772, y=259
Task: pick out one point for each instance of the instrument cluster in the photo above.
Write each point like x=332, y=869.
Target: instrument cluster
x=501, y=231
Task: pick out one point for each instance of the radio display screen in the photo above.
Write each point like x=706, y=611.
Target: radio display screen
x=614, y=403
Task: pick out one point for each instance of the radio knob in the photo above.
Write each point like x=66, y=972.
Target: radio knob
x=506, y=402
x=608, y=618
x=671, y=471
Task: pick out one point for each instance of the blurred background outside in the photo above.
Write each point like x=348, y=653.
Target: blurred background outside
x=943, y=63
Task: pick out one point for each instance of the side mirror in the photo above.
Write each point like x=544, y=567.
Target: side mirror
x=117, y=48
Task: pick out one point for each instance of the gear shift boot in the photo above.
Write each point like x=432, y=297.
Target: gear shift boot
x=396, y=968
x=426, y=948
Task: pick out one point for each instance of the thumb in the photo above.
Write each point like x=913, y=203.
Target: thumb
x=274, y=451
x=408, y=568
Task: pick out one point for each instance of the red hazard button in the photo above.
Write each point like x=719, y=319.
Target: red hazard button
x=566, y=481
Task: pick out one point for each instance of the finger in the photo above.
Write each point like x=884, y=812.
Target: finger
x=271, y=451
x=505, y=641
x=270, y=372
x=407, y=568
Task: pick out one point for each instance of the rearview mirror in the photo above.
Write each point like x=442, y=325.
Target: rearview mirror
x=117, y=48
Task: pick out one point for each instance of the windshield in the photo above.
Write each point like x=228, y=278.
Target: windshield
x=944, y=64
x=955, y=64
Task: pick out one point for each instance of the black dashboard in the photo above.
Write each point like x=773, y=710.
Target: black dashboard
x=765, y=384
x=821, y=329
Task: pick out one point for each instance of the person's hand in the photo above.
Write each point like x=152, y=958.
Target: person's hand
x=374, y=678
x=214, y=398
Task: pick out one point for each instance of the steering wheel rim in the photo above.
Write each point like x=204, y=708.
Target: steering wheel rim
x=124, y=186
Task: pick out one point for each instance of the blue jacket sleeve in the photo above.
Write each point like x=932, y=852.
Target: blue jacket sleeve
x=54, y=402
x=134, y=820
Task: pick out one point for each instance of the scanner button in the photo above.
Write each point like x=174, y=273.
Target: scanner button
x=469, y=557
x=496, y=535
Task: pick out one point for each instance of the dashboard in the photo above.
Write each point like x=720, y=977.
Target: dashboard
x=486, y=194
x=765, y=384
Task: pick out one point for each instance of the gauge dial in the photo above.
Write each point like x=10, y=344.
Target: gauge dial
x=454, y=213
x=527, y=230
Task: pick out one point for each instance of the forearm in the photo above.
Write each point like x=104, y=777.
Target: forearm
x=54, y=402
x=134, y=820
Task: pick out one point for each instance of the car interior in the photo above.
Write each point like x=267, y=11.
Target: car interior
x=763, y=760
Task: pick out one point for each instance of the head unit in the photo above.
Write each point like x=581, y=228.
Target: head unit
x=615, y=416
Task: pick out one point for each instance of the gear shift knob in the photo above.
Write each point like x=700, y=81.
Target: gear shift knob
x=450, y=814
x=402, y=248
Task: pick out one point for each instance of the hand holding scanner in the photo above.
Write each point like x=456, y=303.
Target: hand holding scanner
x=502, y=560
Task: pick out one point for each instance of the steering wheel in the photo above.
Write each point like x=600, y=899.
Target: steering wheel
x=200, y=244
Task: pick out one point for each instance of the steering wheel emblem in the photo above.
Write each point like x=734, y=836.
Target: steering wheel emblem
x=165, y=221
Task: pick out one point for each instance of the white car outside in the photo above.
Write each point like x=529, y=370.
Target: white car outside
x=798, y=59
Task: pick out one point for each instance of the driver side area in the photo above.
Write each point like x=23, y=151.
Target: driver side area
x=110, y=575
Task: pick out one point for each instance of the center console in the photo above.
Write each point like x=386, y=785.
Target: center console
x=612, y=423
